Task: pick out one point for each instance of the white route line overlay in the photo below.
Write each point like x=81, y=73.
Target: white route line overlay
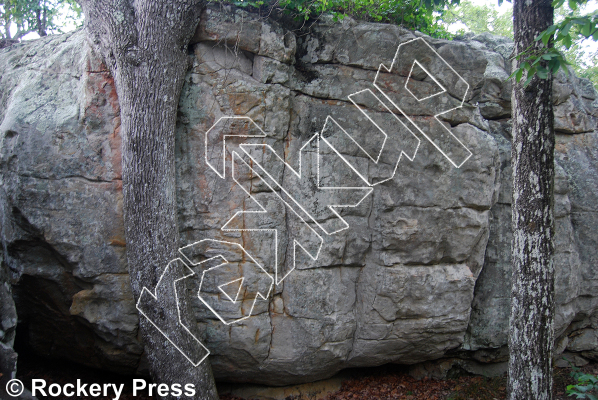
x=332, y=207
x=223, y=173
x=264, y=297
x=363, y=177
x=317, y=136
x=382, y=66
x=264, y=211
x=431, y=76
x=297, y=173
x=154, y=295
x=238, y=290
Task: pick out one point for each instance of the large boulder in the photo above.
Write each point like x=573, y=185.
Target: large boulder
x=421, y=273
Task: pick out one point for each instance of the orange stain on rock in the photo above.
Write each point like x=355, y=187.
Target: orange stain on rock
x=101, y=94
x=119, y=242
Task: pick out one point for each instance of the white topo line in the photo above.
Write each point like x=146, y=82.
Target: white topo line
x=259, y=169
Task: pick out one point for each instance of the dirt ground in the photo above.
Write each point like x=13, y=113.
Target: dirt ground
x=382, y=383
x=393, y=383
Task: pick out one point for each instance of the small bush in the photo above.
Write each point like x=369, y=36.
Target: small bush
x=586, y=387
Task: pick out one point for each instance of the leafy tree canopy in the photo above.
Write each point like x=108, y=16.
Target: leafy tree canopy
x=571, y=50
x=421, y=15
x=564, y=41
x=480, y=18
x=563, y=44
x=39, y=16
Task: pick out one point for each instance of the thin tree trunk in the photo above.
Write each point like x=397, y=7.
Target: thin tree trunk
x=7, y=29
x=144, y=43
x=42, y=21
x=41, y=30
x=531, y=333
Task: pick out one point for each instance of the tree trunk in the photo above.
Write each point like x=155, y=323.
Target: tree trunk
x=531, y=333
x=7, y=29
x=40, y=16
x=144, y=43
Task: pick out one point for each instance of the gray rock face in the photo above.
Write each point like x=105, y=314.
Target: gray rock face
x=421, y=273
x=8, y=323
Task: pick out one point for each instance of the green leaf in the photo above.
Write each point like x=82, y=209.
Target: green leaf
x=567, y=41
x=587, y=378
x=580, y=20
x=565, y=31
x=555, y=64
x=558, y=3
x=530, y=75
x=547, y=34
x=519, y=74
x=586, y=29
x=572, y=4
x=581, y=389
x=551, y=30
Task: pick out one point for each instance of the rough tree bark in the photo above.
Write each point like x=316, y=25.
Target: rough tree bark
x=144, y=43
x=42, y=20
x=531, y=333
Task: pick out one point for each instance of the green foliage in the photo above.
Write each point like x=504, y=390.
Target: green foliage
x=422, y=15
x=539, y=62
x=586, y=387
x=584, y=62
x=560, y=40
x=571, y=28
x=38, y=16
x=480, y=18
